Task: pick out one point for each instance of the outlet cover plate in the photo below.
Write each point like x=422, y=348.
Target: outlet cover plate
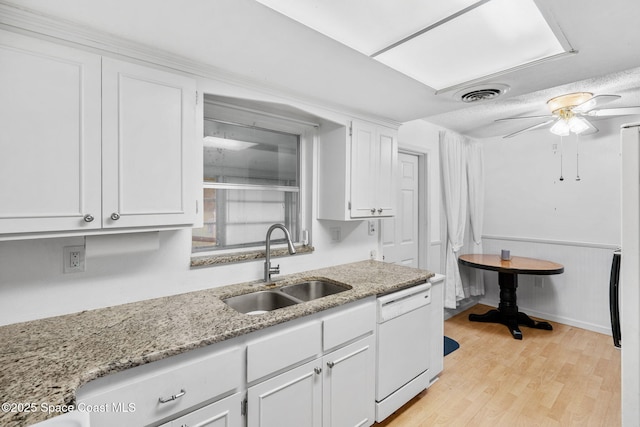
x=73, y=259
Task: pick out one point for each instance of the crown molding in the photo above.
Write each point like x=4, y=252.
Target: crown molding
x=15, y=18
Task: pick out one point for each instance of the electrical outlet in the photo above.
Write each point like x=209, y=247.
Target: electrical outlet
x=372, y=227
x=336, y=234
x=73, y=259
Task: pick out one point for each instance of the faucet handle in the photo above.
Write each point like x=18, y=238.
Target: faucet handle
x=275, y=270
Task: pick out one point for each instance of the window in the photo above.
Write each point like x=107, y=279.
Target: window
x=251, y=180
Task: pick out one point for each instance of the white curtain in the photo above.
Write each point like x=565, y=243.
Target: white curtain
x=454, y=188
x=475, y=183
x=461, y=167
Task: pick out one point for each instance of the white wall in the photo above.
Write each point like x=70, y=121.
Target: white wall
x=576, y=223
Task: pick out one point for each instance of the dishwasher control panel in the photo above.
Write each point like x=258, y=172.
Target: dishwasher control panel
x=404, y=301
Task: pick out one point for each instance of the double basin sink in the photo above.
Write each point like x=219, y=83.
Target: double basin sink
x=260, y=302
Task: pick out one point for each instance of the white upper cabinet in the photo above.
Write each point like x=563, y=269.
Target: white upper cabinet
x=357, y=174
x=148, y=137
x=91, y=143
x=50, y=168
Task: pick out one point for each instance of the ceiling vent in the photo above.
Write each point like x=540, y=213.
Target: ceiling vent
x=481, y=93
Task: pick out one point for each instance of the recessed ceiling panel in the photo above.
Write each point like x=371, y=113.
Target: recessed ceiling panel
x=496, y=36
x=367, y=26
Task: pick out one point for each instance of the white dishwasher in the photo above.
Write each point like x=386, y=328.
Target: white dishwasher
x=402, y=348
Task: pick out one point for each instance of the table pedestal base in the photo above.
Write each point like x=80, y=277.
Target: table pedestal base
x=507, y=312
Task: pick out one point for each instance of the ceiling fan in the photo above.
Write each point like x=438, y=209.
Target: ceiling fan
x=569, y=114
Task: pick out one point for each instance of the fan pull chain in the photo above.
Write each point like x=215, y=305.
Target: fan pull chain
x=561, y=152
x=577, y=157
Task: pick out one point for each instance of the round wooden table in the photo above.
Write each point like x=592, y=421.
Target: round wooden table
x=507, y=312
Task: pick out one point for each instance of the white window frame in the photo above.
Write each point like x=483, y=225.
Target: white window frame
x=244, y=116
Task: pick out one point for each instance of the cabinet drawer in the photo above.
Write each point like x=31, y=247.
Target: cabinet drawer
x=223, y=413
x=133, y=397
x=283, y=349
x=349, y=324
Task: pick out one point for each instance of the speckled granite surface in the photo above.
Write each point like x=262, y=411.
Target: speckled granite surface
x=45, y=361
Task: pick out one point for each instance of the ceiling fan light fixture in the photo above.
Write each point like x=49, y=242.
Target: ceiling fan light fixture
x=564, y=102
x=560, y=128
x=578, y=124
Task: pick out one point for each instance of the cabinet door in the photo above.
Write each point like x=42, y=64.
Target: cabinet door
x=148, y=146
x=387, y=171
x=224, y=413
x=292, y=399
x=348, y=387
x=50, y=137
x=363, y=169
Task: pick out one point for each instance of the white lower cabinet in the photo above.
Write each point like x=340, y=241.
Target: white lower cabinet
x=157, y=392
x=348, y=385
x=224, y=413
x=292, y=399
x=335, y=389
x=316, y=371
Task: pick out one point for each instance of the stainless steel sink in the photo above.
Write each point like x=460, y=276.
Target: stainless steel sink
x=259, y=302
x=313, y=289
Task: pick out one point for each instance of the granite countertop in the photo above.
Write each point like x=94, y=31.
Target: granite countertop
x=45, y=361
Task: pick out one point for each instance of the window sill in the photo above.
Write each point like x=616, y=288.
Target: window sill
x=232, y=258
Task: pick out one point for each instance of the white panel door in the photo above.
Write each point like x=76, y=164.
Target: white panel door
x=50, y=136
x=148, y=146
x=292, y=399
x=348, y=387
x=400, y=234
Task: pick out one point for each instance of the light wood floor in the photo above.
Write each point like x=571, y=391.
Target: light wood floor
x=565, y=377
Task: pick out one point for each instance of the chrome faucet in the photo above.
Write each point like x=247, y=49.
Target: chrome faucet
x=268, y=270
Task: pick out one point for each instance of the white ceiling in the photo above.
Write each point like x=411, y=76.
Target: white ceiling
x=257, y=44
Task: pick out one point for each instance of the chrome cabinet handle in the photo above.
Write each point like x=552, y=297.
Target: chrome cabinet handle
x=172, y=398
x=317, y=370
x=88, y=218
x=115, y=216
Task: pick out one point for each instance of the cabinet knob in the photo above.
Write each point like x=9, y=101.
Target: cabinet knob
x=330, y=364
x=317, y=370
x=115, y=216
x=88, y=218
x=379, y=210
x=373, y=210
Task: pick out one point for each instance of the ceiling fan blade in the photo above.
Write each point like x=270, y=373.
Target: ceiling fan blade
x=539, y=125
x=623, y=111
x=594, y=102
x=547, y=116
